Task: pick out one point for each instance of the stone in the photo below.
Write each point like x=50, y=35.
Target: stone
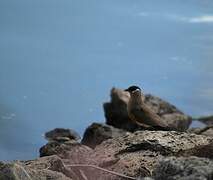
x=184, y=168
x=57, y=147
x=78, y=162
x=96, y=133
x=207, y=131
x=137, y=153
x=40, y=169
x=205, y=151
x=61, y=133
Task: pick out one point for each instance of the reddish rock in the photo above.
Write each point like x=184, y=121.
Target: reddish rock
x=133, y=154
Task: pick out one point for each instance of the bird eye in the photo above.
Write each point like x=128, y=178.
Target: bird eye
x=136, y=90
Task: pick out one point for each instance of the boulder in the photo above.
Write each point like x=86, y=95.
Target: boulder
x=57, y=147
x=205, y=151
x=80, y=163
x=96, y=133
x=184, y=168
x=207, y=131
x=39, y=169
x=137, y=153
x=58, y=134
x=60, y=141
x=117, y=116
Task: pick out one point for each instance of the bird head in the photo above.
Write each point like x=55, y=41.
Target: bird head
x=135, y=92
x=133, y=89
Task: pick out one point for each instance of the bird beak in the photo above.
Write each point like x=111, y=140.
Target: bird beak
x=126, y=90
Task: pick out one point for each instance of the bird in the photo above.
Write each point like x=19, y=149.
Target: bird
x=139, y=113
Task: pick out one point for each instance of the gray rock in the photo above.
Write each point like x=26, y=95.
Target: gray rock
x=57, y=147
x=60, y=141
x=97, y=133
x=58, y=134
x=199, y=151
x=40, y=169
x=184, y=168
x=117, y=116
x=207, y=131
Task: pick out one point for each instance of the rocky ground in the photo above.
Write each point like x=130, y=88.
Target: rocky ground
x=119, y=149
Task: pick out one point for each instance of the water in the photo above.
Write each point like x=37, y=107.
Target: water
x=59, y=60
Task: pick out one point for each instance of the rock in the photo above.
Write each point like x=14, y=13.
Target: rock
x=132, y=154
x=57, y=147
x=59, y=134
x=205, y=151
x=207, y=131
x=138, y=152
x=184, y=168
x=177, y=120
x=160, y=106
x=194, y=130
x=97, y=133
x=206, y=119
x=40, y=169
x=82, y=164
x=60, y=141
x=117, y=116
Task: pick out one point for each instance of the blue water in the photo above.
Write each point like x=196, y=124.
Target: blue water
x=59, y=60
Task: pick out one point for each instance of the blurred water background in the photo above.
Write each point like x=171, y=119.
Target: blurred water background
x=59, y=60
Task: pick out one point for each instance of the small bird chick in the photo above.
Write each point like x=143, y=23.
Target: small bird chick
x=141, y=114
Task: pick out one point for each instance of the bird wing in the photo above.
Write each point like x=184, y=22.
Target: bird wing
x=146, y=116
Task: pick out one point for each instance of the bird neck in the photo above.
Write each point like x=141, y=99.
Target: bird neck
x=137, y=98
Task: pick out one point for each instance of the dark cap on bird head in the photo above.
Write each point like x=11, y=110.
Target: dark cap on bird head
x=132, y=88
